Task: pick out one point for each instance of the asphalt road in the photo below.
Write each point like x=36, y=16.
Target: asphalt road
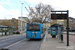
x=20, y=43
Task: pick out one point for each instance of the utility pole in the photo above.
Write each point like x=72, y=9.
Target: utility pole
x=67, y=28
x=21, y=15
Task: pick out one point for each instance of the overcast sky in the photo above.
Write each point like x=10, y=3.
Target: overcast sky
x=12, y=8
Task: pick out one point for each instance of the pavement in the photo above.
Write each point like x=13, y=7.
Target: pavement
x=50, y=43
x=70, y=33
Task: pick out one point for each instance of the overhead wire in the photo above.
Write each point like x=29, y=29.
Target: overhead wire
x=6, y=6
x=27, y=5
x=24, y=5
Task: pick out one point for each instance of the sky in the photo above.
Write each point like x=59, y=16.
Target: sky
x=12, y=8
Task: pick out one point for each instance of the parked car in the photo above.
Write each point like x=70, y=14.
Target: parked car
x=72, y=29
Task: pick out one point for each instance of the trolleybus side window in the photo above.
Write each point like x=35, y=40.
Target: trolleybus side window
x=43, y=30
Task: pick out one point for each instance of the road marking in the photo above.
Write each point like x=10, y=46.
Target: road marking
x=14, y=43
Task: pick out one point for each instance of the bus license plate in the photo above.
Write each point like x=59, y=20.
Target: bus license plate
x=33, y=36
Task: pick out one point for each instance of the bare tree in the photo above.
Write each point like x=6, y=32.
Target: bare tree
x=28, y=20
x=41, y=13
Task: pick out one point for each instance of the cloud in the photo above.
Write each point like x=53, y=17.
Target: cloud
x=12, y=13
x=8, y=14
x=59, y=5
x=3, y=2
x=2, y=9
x=8, y=0
x=24, y=0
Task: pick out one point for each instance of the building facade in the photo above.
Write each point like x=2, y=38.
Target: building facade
x=47, y=24
x=23, y=22
x=11, y=23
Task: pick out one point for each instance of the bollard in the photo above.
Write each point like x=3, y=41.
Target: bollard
x=62, y=38
x=5, y=33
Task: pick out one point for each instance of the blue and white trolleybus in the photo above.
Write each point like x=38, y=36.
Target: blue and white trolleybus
x=35, y=30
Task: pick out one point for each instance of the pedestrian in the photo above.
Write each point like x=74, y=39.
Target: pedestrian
x=61, y=37
x=74, y=32
x=5, y=33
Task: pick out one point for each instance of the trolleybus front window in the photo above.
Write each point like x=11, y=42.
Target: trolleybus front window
x=53, y=29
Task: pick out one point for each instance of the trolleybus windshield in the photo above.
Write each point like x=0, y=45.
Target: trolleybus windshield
x=33, y=28
x=53, y=29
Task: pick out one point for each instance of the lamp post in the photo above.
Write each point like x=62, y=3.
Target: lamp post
x=21, y=15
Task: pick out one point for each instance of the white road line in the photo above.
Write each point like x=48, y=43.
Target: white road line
x=14, y=43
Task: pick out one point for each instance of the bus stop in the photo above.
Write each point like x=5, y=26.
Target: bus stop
x=58, y=29
x=3, y=30
x=61, y=15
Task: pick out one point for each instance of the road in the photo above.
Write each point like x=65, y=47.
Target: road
x=20, y=42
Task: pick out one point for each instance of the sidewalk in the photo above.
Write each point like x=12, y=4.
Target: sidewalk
x=50, y=43
x=13, y=35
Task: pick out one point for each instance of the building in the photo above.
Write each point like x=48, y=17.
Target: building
x=23, y=22
x=72, y=22
x=47, y=24
x=11, y=23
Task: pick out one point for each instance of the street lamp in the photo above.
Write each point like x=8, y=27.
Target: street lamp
x=21, y=15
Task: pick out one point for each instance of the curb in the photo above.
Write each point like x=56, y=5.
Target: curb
x=44, y=40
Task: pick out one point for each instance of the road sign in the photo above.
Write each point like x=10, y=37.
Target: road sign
x=58, y=16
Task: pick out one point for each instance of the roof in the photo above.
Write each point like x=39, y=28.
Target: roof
x=56, y=25
x=34, y=23
x=71, y=18
x=3, y=26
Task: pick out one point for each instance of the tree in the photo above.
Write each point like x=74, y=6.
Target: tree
x=41, y=13
x=28, y=20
